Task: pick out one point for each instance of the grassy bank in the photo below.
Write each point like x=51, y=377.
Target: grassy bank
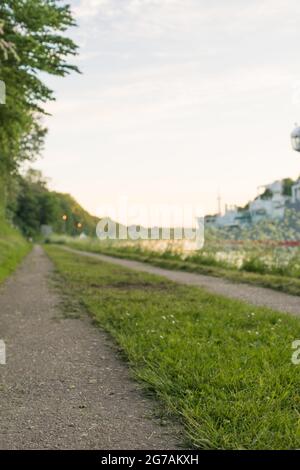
x=13, y=248
x=196, y=264
x=220, y=366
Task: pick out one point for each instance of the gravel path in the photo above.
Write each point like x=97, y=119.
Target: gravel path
x=252, y=294
x=63, y=385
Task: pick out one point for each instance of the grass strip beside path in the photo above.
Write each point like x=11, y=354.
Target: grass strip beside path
x=221, y=366
x=290, y=285
x=13, y=248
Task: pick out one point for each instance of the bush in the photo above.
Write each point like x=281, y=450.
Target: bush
x=254, y=265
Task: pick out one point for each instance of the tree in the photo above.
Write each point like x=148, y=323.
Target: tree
x=287, y=186
x=32, y=40
x=34, y=205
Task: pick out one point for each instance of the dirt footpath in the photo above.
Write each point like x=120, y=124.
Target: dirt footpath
x=63, y=386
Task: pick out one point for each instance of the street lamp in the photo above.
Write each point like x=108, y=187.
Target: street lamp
x=64, y=218
x=295, y=137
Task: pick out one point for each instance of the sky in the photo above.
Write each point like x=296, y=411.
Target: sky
x=178, y=100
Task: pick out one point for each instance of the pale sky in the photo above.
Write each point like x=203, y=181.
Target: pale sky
x=178, y=99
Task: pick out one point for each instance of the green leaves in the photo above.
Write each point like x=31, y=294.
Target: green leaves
x=32, y=40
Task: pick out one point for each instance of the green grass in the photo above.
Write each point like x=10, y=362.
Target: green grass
x=13, y=248
x=221, y=366
x=282, y=283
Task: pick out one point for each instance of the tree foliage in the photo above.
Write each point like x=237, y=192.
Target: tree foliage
x=32, y=40
x=34, y=205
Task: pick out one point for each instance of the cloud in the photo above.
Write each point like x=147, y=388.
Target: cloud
x=146, y=17
x=143, y=99
x=90, y=8
x=201, y=87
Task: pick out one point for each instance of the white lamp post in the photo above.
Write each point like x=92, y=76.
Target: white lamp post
x=295, y=137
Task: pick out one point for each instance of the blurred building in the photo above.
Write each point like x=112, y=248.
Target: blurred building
x=271, y=204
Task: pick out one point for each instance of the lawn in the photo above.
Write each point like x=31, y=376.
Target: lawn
x=199, y=263
x=220, y=366
x=13, y=248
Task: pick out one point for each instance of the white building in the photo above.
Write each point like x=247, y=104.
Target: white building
x=271, y=205
x=229, y=219
x=296, y=192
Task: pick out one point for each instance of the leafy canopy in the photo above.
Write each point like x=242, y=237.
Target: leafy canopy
x=32, y=40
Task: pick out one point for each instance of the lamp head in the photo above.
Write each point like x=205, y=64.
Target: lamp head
x=295, y=138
